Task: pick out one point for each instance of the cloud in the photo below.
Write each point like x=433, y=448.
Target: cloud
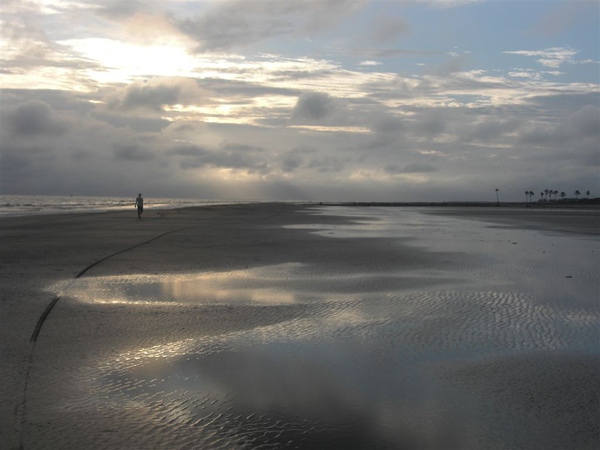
x=564, y=15
x=456, y=63
x=14, y=163
x=234, y=24
x=120, y=10
x=410, y=168
x=451, y=3
x=33, y=118
x=431, y=122
x=327, y=164
x=132, y=152
x=291, y=162
x=385, y=123
x=23, y=42
x=232, y=97
x=386, y=30
x=155, y=94
x=227, y=155
x=551, y=57
x=579, y=127
x=27, y=50
x=487, y=130
x=314, y=107
x=584, y=123
x=370, y=63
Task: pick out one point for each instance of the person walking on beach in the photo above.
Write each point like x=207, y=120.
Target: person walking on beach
x=139, y=202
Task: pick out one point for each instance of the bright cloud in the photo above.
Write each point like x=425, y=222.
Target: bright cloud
x=550, y=57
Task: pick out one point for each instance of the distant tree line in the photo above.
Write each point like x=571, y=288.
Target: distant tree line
x=549, y=195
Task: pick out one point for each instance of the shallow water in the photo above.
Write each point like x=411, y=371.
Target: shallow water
x=499, y=350
x=26, y=205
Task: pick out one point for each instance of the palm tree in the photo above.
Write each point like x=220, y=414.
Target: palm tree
x=587, y=193
x=497, y=198
x=577, y=194
x=526, y=196
x=531, y=194
x=555, y=194
x=542, y=195
x=546, y=193
x=563, y=195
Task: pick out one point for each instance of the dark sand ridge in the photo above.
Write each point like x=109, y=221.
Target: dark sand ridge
x=77, y=337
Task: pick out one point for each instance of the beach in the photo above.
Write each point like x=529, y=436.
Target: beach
x=279, y=325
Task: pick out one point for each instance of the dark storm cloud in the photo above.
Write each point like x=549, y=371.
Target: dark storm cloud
x=33, y=118
x=314, y=107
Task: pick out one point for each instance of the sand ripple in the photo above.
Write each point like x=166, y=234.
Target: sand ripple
x=343, y=371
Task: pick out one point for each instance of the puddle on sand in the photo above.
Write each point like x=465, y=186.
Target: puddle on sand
x=355, y=383
x=253, y=286
x=281, y=284
x=292, y=396
x=391, y=371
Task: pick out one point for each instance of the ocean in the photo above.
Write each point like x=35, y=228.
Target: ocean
x=24, y=205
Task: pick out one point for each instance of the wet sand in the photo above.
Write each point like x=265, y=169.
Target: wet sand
x=290, y=326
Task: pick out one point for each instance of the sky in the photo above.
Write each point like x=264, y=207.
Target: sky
x=311, y=100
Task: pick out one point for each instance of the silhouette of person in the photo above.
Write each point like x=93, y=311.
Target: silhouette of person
x=139, y=202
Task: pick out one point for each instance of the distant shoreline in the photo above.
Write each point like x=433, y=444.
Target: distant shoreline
x=575, y=204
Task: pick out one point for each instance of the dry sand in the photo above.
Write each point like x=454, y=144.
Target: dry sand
x=284, y=326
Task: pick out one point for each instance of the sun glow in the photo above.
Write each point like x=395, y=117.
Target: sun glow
x=123, y=62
